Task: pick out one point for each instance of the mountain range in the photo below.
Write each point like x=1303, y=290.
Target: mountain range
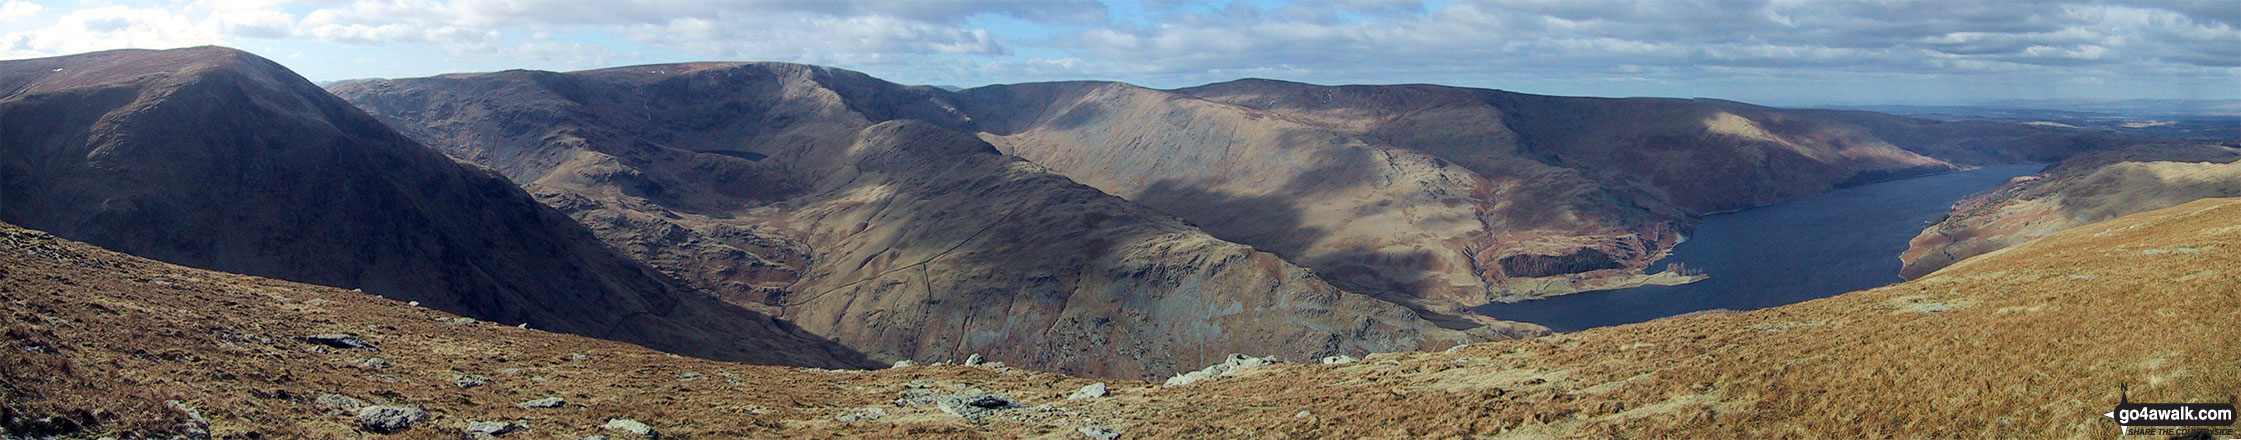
x=200, y=242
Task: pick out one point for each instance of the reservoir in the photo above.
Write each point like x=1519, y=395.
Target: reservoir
x=1814, y=247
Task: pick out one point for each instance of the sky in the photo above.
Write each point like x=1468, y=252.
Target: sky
x=1779, y=52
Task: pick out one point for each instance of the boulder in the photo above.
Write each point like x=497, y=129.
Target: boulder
x=1090, y=391
x=1233, y=365
x=1098, y=432
x=338, y=404
x=633, y=427
x=548, y=402
x=976, y=404
x=339, y=340
x=389, y=419
x=484, y=430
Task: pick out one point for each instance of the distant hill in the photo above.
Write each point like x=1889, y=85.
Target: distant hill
x=215, y=158
x=2088, y=188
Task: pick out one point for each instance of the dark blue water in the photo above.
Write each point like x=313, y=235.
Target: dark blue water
x=1814, y=247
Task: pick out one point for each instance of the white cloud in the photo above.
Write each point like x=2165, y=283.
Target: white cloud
x=18, y=10
x=110, y=27
x=1467, y=42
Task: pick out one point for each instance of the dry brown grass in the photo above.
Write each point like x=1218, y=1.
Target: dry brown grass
x=2031, y=341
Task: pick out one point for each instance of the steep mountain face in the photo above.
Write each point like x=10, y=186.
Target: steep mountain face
x=215, y=158
x=2037, y=339
x=2088, y=188
x=1441, y=196
x=840, y=202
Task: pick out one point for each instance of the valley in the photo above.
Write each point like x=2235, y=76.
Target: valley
x=1826, y=244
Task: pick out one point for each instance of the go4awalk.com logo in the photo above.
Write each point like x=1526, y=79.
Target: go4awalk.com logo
x=2188, y=420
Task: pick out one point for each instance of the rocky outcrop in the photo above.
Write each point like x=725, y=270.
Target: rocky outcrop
x=216, y=158
x=2089, y=188
x=841, y=203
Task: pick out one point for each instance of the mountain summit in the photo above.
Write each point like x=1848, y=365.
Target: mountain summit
x=215, y=158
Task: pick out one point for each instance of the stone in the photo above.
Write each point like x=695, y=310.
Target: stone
x=469, y=380
x=976, y=404
x=1340, y=359
x=861, y=415
x=919, y=397
x=389, y=419
x=492, y=429
x=375, y=364
x=339, y=340
x=1090, y=391
x=628, y=426
x=972, y=360
x=548, y=402
x=338, y=404
x=1098, y=432
x=1236, y=363
x=903, y=363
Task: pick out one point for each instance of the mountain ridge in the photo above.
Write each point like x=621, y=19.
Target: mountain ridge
x=217, y=158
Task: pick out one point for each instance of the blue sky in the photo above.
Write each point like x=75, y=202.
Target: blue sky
x=1781, y=52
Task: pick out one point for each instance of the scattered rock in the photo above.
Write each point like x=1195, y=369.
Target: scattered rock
x=628, y=426
x=1235, y=364
x=469, y=380
x=976, y=404
x=338, y=404
x=903, y=363
x=577, y=356
x=548, y=402
x=1340, y=359
x=389, y=419
x=972, y=360
x=1090, y=391
x=687, y=376
x=195, y=426
x=919, y=397
x=2171, y=251
x=484, y=430
x=374, y=364
x=1302, y=414
x=510, y=371
x=1098, y=432
x=861, y=415
x=339, y=340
